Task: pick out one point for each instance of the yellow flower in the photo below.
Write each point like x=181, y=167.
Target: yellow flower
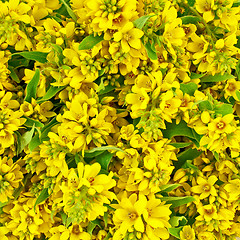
x=129, y=37
x=59, y=233
x=205, y=236
x=10, y=177
x=198, y=46
x=169, y=105
x=233, y=188
x=156, y=214
x=128, y=215
x=86, y=192
x=221, y=125
x=110, y=14
x=187, y=233
x=231, y=88
x=77, y=233
x=205, y=187
x=10, y=121
x=206, y=8
x=139, y=99
x=207, y=213
x=173, y=33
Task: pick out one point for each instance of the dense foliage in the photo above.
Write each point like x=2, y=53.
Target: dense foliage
x=119, y=119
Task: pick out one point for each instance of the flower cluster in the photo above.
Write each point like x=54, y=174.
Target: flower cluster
x=119, y=119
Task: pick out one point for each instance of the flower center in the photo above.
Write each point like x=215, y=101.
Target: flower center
x=206, y=187
x=133, y=216
x=220, y=125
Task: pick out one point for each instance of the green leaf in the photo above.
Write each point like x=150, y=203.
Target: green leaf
x=216, y=78
x=181, y=144
x=42, y=197
x=78, y=158
x=52, y=91
x=17, y=62
x=178, y=221
x=92, y=225
x=103, y=149
x=189, y=154
x=32, y=87
x=68, y=221
x=175, y=232
x=64, y=217
x=190, y=19
x=30, y=122
x=90, y=41
x=37, y=140
x=205, y=105
x=105, y=219
x=238, y=95
x=47, y=128
x=104, y=159
x=34, y=55
x=177, y=201
x=169, y=187
x=151, y=54
x=189, y=88
x=181, y=129
x=140, y=22
x=69, y=10
x=224, y=109
x=191, y=3
x=196, y=75
x=216, y=155
x=13, y=74
x=26, y=138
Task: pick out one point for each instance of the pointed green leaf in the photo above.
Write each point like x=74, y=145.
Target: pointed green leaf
x=189, y=154
x=92, y=225
x=90, y=41
x=13, y=74
x=205, y=105
x=238, y=95
x=189, y=88
x=177, y=201
x=140, y=22
x=69, y=10
x=42, y=197
x=224, y=109
x=104, y=159
x=151, y=54
x=26, y=138
x=216, y=78
x=196, y=75
x=52, y=91
x=35, y=142
x=32, y=87
x=169, y=187
x=34, y=55
x=175, y=232
x=190, y=19
x=181, y=129
x=30, y=122
x=181, y=144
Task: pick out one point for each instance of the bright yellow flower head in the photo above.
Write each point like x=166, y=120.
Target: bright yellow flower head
x=129, y=37
x=205, y=187
x=206, y=8
x=10, y=176
x=187, y=233
x=86, y=192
